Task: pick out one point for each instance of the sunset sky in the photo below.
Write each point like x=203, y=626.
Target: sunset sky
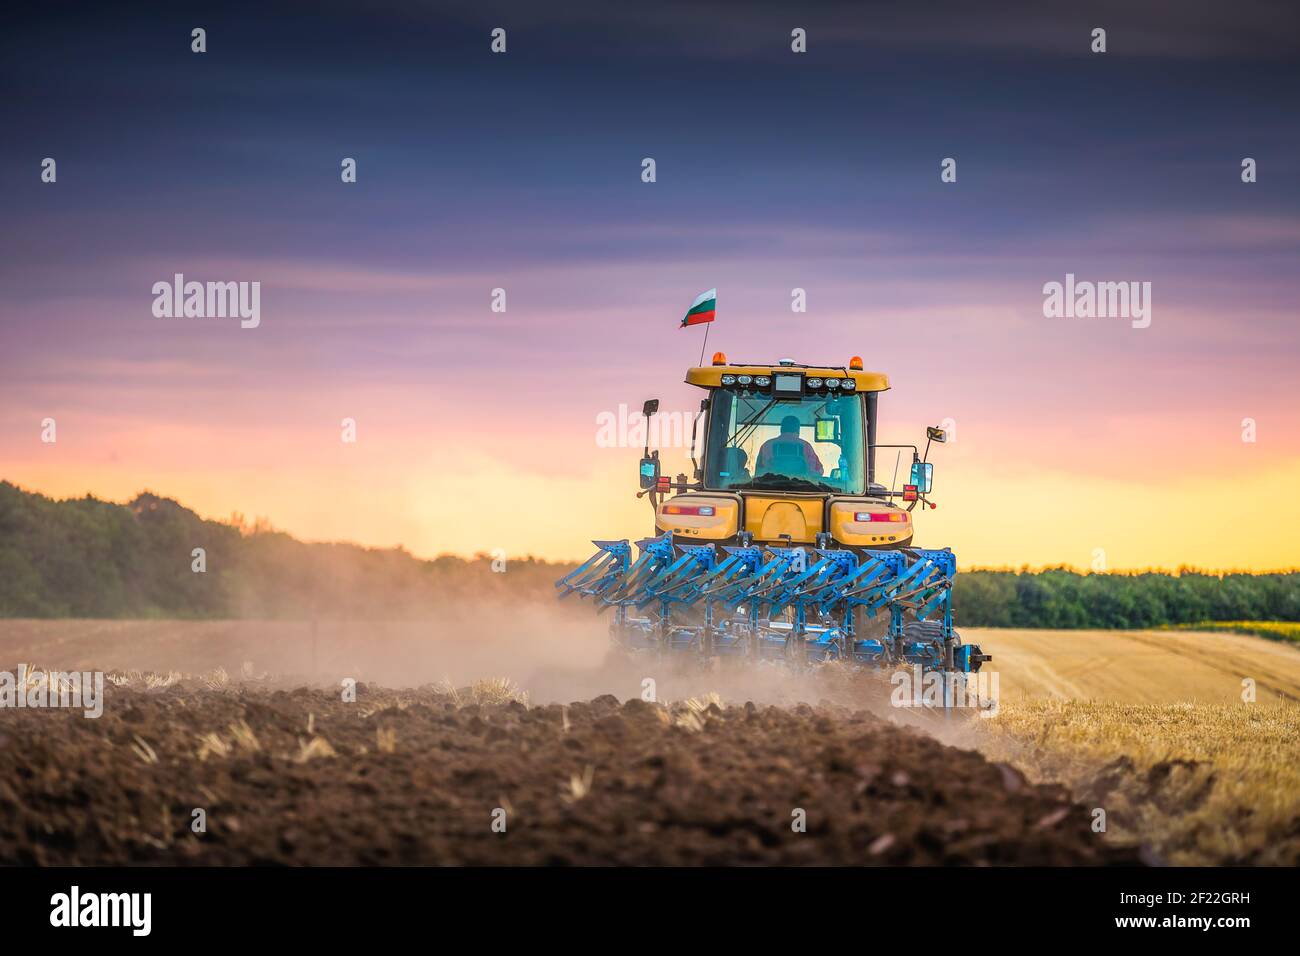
x=476, y=430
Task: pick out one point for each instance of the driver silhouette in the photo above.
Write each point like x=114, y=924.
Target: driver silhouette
x=788, y=453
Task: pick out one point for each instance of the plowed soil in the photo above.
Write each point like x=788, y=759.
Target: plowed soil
x=299, y=776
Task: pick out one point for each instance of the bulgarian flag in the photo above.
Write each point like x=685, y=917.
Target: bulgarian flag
x=702, y=310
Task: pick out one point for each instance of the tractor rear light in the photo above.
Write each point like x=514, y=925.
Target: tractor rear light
x=879, y=516
x=909, y=492
x=664, y=483
x=728, y=380
x=704, y=511
x=814, y=383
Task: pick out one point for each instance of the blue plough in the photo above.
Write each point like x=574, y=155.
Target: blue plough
x=802, y=606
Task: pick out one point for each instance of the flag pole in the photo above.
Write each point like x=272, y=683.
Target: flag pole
x=705, y=343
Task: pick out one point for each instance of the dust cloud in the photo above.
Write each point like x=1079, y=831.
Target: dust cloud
x=555, y=653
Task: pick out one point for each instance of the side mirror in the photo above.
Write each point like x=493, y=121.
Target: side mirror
x=649, y=408
x=935, y=433
x=649, y=471
x=922, y=476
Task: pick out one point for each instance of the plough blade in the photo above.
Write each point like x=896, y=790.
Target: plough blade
x=802, y=605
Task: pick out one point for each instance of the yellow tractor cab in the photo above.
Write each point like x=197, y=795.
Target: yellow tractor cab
x=788, y=457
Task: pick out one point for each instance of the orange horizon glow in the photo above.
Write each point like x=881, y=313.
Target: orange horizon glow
x=321, y=490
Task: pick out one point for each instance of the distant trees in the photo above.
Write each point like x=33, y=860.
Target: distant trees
x=1065, y=599
x=90, y=558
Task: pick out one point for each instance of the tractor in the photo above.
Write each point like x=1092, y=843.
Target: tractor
x=786, y=544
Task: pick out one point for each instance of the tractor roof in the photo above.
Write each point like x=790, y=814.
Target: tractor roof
x=710, y=376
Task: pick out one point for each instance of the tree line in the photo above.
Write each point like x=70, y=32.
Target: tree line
x=1060, y=598
x=90, y=558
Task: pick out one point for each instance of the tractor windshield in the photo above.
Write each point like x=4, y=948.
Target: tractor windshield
x=811, y=443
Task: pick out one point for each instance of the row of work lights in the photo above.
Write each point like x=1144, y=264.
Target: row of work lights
x=813, y=382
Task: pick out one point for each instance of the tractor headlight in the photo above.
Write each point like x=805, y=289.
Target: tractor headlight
x=762, y=381
x=848, y=385
x=832, y=383
x=744, y=379
x=728, y=380
x=814, y=383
